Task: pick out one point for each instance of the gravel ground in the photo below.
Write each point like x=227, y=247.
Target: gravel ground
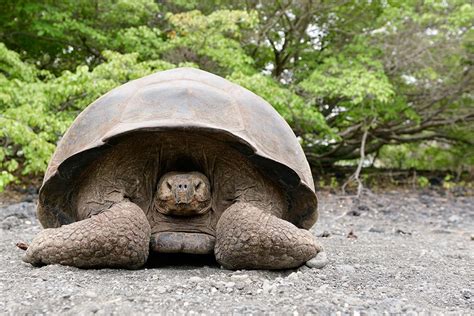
x=393, y=252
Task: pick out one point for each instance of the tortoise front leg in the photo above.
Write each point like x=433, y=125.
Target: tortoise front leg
x=118, y=237
x=249, y=238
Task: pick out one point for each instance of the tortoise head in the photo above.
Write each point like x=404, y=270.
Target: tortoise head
x=183, y=194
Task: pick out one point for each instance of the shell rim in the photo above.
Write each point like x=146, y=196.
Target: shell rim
x=108, y=139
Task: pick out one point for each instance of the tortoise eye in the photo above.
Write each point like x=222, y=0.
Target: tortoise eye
x=198, y=185
x=168, y=185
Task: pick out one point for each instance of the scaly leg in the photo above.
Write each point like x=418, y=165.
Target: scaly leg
x=248, y=238
x=118, y=238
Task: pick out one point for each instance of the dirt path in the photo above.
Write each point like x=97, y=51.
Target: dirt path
x=413, y=253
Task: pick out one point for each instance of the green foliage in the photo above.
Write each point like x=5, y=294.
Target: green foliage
x=61, y=35
x=331, y=183
x=423, y=182
x=215, y=36
x=36, y=113
x=427, y=156
x=290, y=105
x=354, y=75
x=401, y=70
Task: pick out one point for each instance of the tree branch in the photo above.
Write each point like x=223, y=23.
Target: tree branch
x=356, y=175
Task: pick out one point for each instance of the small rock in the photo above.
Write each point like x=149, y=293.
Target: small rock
x=22, y=245
x=196, y=279
x=345, y=269
x=466, y=293
x=318, y=262
x=161, y=289
x=352, y=235
x=267, y=287
x=323, y=288
x=354, y=213
x=294, y=275
x=239, y=276
x=402, y=232
x=10, y=222
x=240, y=286
x=93, y=309
x=324, y=234
x=229, y=284
x=454, y=219
x=91, y=294
x=441, y=231
x=376, y=230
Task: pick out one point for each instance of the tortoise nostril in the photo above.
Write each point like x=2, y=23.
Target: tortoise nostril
x=185, y=186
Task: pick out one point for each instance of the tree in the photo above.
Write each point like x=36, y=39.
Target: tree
x=340, y=72
x=411, y=72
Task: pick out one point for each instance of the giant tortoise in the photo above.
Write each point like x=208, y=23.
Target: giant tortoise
x=181, y=161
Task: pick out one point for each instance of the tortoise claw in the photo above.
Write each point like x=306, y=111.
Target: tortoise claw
x=22, y=245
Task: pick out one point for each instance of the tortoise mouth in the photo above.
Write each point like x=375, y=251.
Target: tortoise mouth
x=182, y=242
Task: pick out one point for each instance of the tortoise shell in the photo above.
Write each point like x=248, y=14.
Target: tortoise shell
x=177, y=99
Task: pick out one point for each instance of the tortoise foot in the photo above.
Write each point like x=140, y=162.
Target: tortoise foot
x=118, y=237
x=249, y=238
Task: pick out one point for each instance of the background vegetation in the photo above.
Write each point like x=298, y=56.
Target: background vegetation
x=394, y=78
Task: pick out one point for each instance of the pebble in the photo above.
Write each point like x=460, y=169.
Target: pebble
x=318, y=262
x=304, y=268
x=454, y=219
x=466, y=293
x=294, y=275
x=323, y=288
x=239, y=276
x=196, y=279
x=161, y=289
x=267, y=287
x=91, y=294
x=354, y=213
x=10, y=221
x=402, y=231
x=376, y=230
x=441, y=231
x=240, y=286
x=324, y=234
x=345, y=269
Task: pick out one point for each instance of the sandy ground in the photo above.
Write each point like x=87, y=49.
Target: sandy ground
x=408, y=253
